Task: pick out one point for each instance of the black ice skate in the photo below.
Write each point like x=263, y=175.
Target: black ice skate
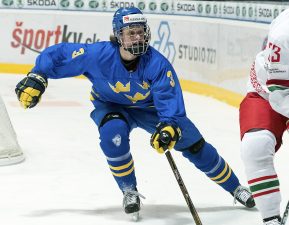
x=131, y=203
x=275, y=220
x=243, y=195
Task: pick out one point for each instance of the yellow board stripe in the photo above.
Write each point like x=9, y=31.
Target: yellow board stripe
x=226, y=178
x=122, y=167
x=124, y=173
x=221, y=174
x=221, y=94
x=15, y=68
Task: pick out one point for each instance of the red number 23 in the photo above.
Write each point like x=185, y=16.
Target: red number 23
x=275, y=54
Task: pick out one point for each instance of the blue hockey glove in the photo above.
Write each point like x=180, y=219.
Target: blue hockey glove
x=165, y=137
x=30, y=89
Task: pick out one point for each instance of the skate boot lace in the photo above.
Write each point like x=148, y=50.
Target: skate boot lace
x=130, y=197
x=242, y=194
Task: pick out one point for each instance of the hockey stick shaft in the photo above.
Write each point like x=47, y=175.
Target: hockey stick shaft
x=183, y=188
x=285, y=215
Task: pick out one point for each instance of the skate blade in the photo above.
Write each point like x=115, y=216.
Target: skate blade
x=135, y=216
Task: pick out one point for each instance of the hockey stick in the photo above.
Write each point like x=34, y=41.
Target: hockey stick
x=285, y=215
x=183, y=188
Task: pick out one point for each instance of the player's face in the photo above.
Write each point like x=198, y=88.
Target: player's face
x=135, y=39
x=132, y=35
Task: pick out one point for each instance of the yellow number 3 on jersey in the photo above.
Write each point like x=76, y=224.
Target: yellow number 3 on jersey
x=77, y=53
x=170, y=75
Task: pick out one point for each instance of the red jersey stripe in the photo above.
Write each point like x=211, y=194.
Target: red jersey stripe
x=261, y=178
x=266, y=192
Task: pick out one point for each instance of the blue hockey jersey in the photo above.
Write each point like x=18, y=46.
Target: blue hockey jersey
x=153, y=84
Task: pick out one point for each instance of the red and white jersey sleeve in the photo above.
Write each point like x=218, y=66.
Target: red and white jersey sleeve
x=271, y=66
x=258, y=77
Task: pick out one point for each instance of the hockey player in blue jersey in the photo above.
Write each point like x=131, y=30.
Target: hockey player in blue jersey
x=133, y=85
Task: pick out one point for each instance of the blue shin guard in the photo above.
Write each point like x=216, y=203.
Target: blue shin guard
x=214, y=166
x=114, y=136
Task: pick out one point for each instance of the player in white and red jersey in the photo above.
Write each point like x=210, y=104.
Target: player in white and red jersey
x=263, y=116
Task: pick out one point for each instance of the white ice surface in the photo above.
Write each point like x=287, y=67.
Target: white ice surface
x=65, y=179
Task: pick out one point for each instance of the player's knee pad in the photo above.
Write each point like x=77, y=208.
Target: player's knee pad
x=112, y=116
x=196, y=147
x=114, y=135
x=258, y=149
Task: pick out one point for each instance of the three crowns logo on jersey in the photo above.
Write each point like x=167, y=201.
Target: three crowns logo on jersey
x=119, y=87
